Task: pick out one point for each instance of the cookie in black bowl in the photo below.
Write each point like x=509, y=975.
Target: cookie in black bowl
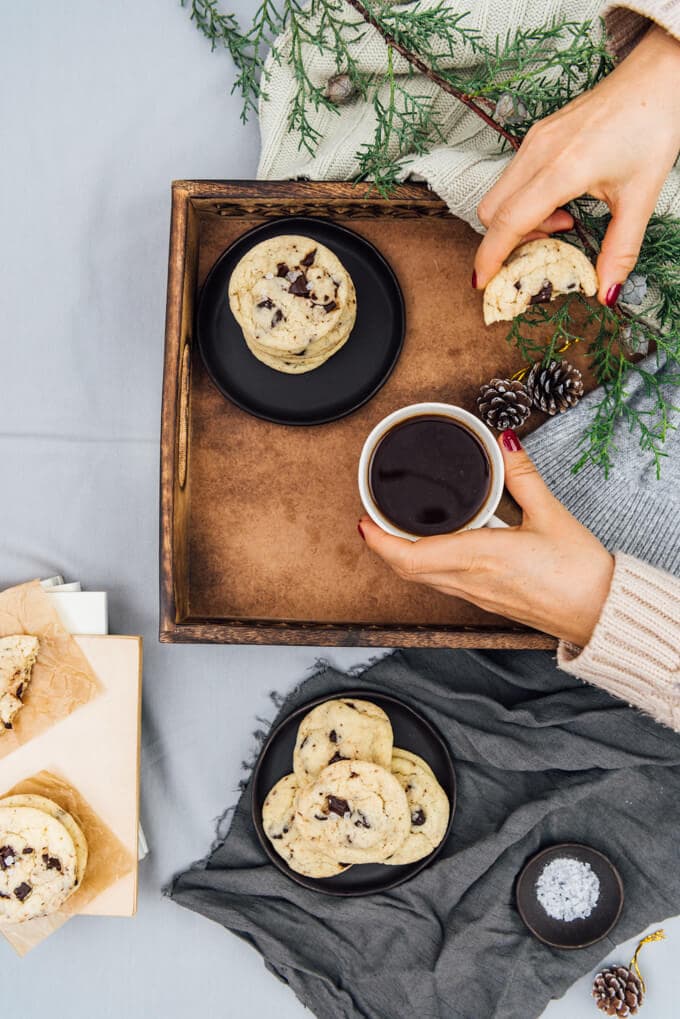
x=412, y=732
x=343, y=383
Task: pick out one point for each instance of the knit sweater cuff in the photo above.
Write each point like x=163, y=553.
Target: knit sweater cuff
x=634, y=652
x=626, y=24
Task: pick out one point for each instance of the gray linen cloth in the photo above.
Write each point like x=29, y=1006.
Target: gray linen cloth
x=540, y=758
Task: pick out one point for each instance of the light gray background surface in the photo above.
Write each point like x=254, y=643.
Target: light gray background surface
x=103, y=103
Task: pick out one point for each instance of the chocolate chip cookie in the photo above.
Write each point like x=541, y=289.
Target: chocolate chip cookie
x=18, y=655
x=428, y=805
x=294, y=301
x=278, y=821
x=537, y=271
x=43, y=855
x=341, y=730
x=355, y=812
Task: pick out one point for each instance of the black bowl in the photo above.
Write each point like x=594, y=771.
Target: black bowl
x=348, y=379
x=573, y=933
x=411, y=732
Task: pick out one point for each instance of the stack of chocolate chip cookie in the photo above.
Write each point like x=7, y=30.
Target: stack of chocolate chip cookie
x=353, y=797
x=43, y=856
x=294, y=301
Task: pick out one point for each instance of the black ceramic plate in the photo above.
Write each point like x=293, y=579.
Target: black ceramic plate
x=348, y=379
x=411, y=732
x=574, y=933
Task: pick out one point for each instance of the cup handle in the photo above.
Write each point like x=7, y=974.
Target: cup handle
x=494, y=521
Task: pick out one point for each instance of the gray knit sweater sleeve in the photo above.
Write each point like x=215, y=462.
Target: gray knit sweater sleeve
x=631, y=510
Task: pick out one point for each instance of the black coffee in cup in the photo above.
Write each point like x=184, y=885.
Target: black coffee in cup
x=429, y=475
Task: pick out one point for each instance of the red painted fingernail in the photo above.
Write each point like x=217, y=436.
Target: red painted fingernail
x=510, y=441
x=474, y=279
x=612, y=295
x=361, y=532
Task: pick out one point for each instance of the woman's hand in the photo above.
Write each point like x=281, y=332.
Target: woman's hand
x=616, y=143
x=550, y=572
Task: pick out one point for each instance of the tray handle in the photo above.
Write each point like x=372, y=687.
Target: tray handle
x=183, y=416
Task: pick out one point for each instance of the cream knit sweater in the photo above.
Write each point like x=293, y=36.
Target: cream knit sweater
x=634, y=652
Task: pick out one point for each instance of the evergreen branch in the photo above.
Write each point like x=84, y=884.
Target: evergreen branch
x=392, y=39
x=224, y=30
x=524, y=330
x=613, y=368
x=540, y=70
x=405, y=126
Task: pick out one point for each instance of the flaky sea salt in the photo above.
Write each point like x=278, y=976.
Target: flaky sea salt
x=568, y=889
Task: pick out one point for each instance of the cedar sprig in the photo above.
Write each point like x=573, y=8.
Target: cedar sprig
x=405, y=125
x=557, y=319
x=223, y=30
x=545, y=67
x=433, y=33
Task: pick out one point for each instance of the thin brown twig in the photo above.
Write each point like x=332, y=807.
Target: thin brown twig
x=421, y=66
x=582, y=235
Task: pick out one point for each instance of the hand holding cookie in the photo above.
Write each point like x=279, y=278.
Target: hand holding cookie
x=616, y=143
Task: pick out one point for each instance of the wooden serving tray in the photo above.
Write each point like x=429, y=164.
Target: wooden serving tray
x=258, y=534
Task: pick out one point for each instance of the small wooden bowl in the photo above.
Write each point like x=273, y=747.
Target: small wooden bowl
x=578, y=933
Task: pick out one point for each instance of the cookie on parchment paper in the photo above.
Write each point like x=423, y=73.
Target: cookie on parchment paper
x=43, y=857
x=18, y=655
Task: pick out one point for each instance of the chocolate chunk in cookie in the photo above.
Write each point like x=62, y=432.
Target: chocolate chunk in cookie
x=298, y=286
x=544, y=294
x=336, y=805
x=22, y=891
x=51, y=862
x=8, y=857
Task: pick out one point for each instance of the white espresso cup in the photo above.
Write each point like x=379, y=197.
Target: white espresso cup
x=484, y=517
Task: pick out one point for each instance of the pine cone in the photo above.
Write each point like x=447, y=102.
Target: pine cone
x=556, y=388
x=504, y=403
x=618, y=991
x=634, y=289
x=340, y=89
x=510, y=110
